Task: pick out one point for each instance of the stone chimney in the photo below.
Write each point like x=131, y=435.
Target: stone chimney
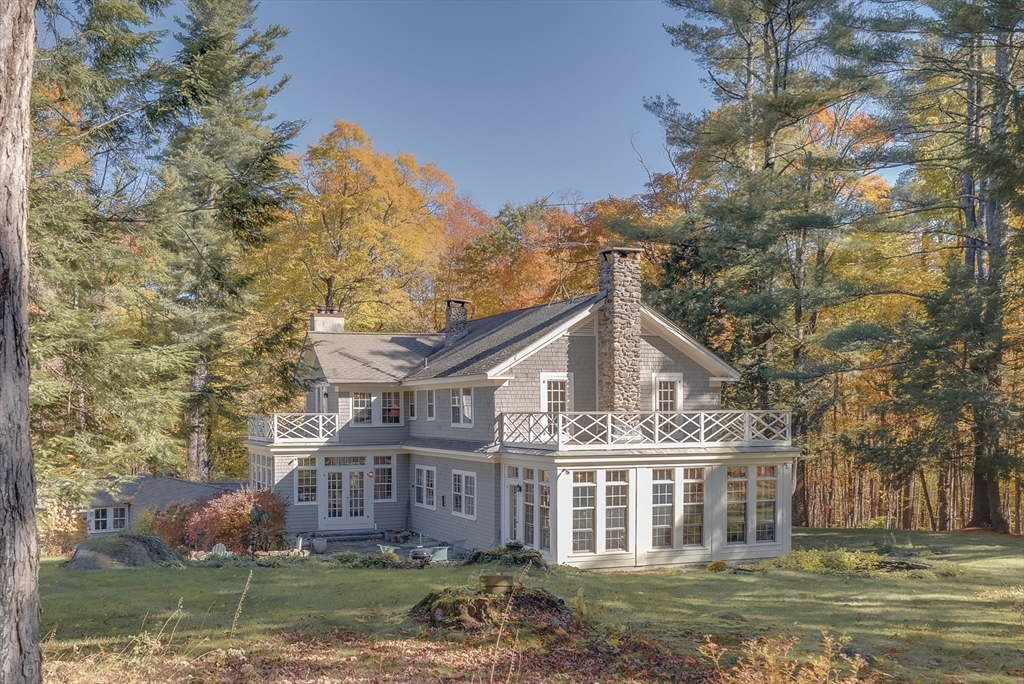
x=618, y=330
x=456, y=314
x=327, y=320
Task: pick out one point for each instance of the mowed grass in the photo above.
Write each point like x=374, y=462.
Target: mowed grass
x=964, y=625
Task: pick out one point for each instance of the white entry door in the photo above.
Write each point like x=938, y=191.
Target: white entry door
x=346, y=503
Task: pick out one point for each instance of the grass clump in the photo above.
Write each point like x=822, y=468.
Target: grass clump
x=717, y=566
x=772, y=661
x=827, y=561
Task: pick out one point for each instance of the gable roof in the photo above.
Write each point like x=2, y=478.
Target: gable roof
x=486, y=348
x=487, y=343
x=371, y=357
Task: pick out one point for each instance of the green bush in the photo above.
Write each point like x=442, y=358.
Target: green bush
x=380, y=560
x=831, y=561
x=348, y=559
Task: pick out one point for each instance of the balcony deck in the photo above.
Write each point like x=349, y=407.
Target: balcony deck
x=570, y=431
x=639, y=429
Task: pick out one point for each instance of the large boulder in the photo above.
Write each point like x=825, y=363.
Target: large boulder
x=121, y=551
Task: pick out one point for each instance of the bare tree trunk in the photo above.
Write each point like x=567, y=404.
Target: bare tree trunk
x=20, y=660
x=943, y=487
x=197, y=461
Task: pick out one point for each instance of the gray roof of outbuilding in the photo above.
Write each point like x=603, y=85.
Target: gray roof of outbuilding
x=159, y=490
x=487, y=342
x=372, y=357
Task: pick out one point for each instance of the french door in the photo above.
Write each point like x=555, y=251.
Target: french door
x=348, y=499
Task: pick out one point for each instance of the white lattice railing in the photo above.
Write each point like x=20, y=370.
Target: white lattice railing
x=625, y=430
x=294, y=427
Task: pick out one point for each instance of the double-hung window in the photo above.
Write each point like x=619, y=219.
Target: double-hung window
x=464, y=494
x=431, y=415
x=383, y=478
x=616, y=510
x=765, y=511
x=584, y=510
x=736, y=505
x=693, y=506
x=119, y=518
x=305, y=479
x=544, y=508
x=391, y=408
x=99, y=520
x=362, y=408
x=462, y=406
x=663, y=517
x=410, y=403
x=425, y=486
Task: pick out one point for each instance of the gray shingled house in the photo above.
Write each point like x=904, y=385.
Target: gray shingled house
x=589, y=429
x=116, y=510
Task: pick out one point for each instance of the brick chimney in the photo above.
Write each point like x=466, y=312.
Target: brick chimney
x=328, y=320
x=618, y=330
x=456, y=314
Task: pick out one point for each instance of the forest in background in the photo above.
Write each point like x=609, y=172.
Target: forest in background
x=843, y=228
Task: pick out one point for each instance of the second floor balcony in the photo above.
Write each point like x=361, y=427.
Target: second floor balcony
x=591, y=430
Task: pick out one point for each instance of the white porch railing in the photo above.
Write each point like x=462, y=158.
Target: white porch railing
x=638, y=429
x=282, y=428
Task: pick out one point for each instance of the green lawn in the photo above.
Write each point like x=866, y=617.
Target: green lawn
x=921, y=626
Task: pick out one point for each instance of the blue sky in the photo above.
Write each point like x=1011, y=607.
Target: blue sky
x=515, y=100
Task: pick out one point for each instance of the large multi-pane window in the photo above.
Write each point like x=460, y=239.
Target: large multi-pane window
x=544, y=508
x=462, y=406
x=425, y=488
x=431, y=415
x=391, y=408
x=584, y=509
x=765, y=510
x=410, y=403
x=383, y=478
x=667, y=399
x=305, y=479
x=736, y=505
x=693, y=506
x=362, y=408
x=464, y=494
x=261, y=471
x=529, y=511
x=616, y=510
x=663, y=517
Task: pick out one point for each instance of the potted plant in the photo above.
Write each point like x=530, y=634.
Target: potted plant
x=319, y=545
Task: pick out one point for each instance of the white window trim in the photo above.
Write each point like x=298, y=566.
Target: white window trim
x=431, y=405
x=410, y=403
x=462, y=407
x=295, y=490
x=320, y=400
x=569, y=399
x=675, y=377
x=415, y=477
x=464, y=474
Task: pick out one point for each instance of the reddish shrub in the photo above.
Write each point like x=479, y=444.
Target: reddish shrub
x=226, y=519
x=169, y=524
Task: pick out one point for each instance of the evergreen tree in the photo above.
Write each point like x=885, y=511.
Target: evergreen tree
x=220, y=187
